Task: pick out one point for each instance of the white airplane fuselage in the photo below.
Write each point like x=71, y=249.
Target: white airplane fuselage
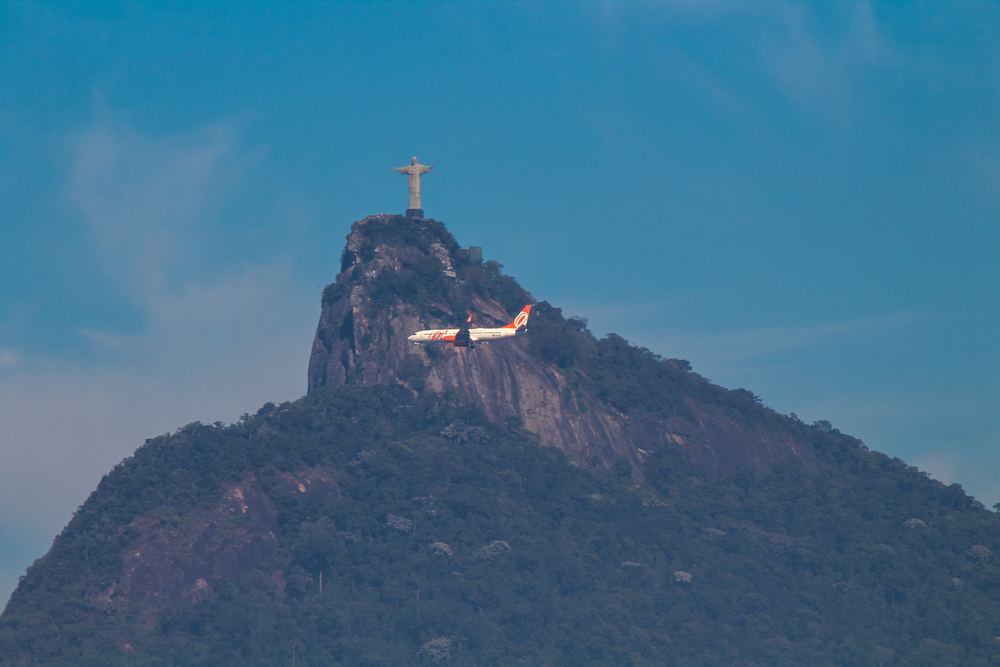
x=448, y=335
x=477, y=335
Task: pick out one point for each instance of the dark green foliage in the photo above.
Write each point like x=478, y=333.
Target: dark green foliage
x=432, y=531
x=419, y=281
x=554, y=339
x=334, y=292
x=630, y=378
x=549, y=564
x=399, y=231
x=487, y=279
x=635, y=380
x=416, y=275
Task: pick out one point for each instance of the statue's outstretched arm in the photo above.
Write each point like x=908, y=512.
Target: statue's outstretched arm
x=428, y=168
x=401, y=170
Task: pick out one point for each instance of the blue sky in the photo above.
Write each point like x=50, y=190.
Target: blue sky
x=803, y=200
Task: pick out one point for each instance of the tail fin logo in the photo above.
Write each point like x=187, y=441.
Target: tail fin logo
x=522, y=318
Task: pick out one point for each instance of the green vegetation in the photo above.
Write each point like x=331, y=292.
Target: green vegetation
x=417, y=279
x=450, y=536
x=488, y=280
x=633, y=379
x=369, y=526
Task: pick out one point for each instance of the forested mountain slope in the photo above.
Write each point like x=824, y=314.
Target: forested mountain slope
x=554, y=500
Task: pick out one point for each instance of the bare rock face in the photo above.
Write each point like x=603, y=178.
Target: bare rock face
x=182, y=558
x=400, y=275
x=362, y=339
x=170, y=561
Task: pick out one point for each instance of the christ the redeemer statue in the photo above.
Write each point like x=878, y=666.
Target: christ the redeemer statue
x=413, y=172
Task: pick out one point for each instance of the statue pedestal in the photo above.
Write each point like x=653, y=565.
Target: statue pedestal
x=414, y=213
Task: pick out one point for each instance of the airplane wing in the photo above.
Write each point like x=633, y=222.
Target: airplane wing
x=464, y=338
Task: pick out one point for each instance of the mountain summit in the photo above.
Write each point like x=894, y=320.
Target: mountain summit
x=556, y=499
x=599, y=401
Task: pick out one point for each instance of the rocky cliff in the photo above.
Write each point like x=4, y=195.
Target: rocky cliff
x=399, y=275
x=403, y=512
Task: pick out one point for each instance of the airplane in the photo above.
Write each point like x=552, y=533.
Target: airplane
x=468, y=337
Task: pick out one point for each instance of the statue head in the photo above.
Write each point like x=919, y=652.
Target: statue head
x=413, y=160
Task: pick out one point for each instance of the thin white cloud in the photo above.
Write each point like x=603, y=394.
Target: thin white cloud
x=817, y=69
x=724, y=348
x=215, y=343
x=620, y=312
x=812, y=56
x=728, y=347
x=146, y=200
x=208, y=355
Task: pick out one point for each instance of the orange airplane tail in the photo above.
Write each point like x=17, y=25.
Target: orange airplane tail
x=521, y=320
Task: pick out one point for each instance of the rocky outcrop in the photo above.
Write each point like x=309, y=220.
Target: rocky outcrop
x=401, y=275
x=183, y=558
x=171, y=560
x=362, y=339
x=391, y=524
